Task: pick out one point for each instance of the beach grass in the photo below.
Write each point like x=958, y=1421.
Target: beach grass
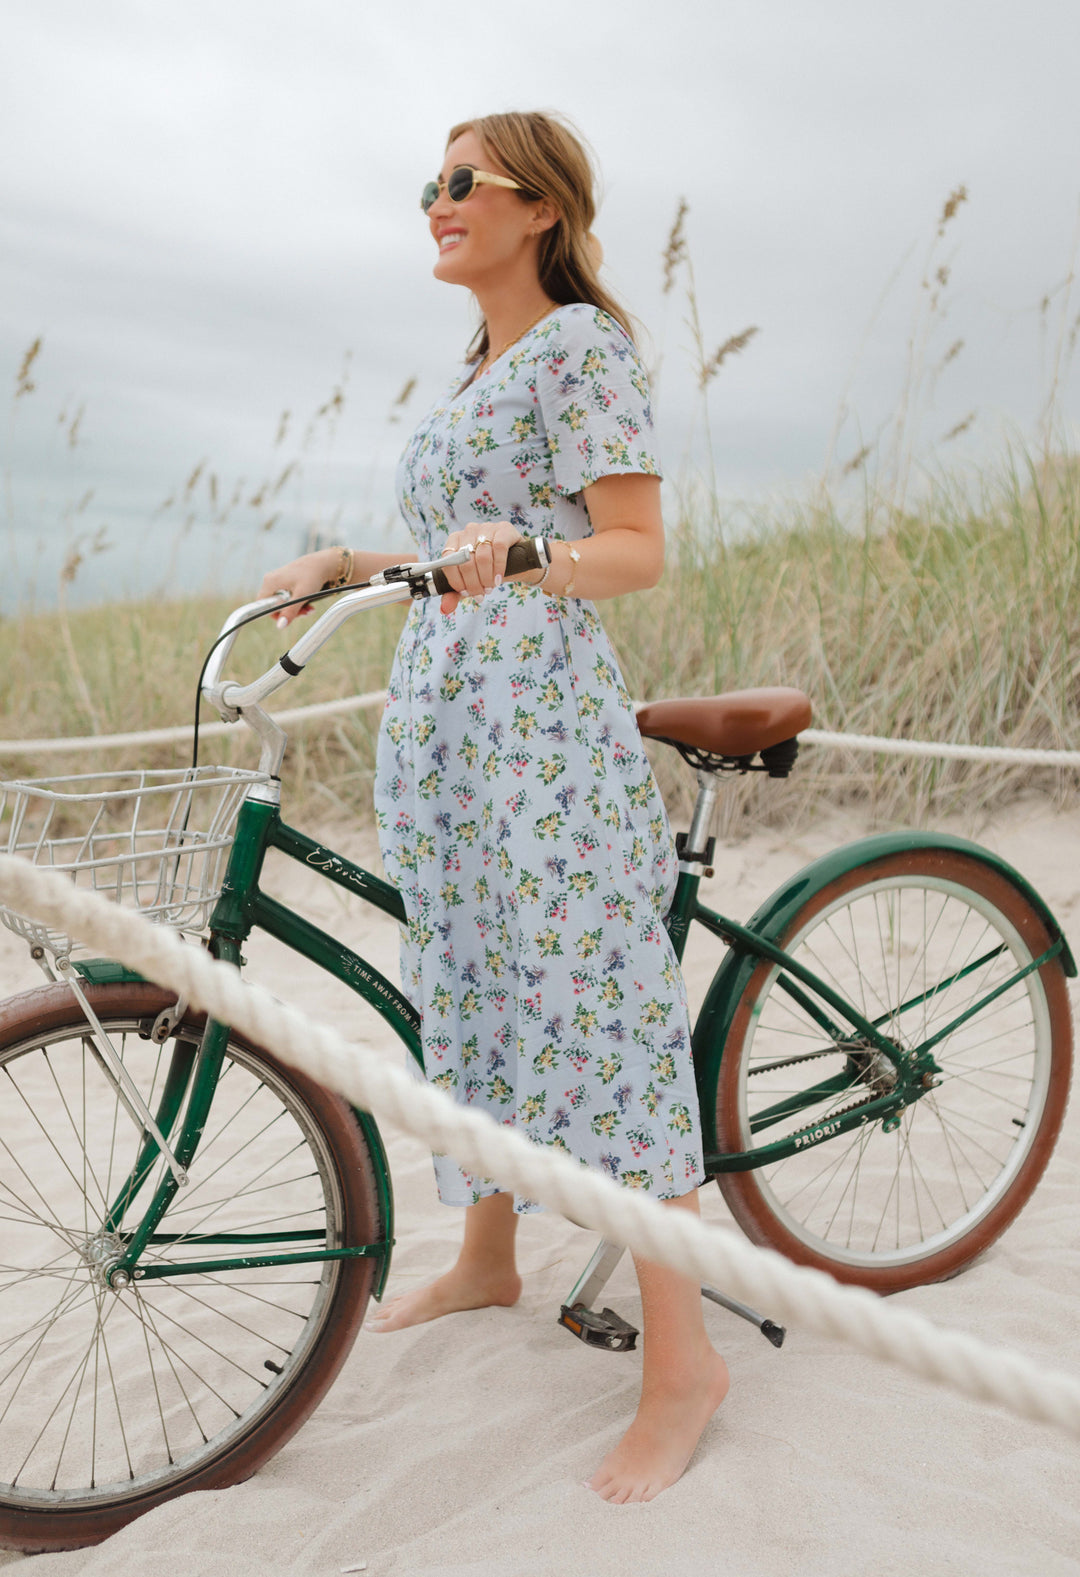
x=958, y=621
x=954, y=619
x=135, y=668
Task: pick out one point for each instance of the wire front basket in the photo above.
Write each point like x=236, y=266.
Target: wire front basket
x=157, y=841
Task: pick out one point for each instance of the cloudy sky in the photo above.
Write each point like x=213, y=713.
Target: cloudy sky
x=208, y=212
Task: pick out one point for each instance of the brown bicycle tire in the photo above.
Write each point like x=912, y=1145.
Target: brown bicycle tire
x=51, y=1009
x=747, y=1193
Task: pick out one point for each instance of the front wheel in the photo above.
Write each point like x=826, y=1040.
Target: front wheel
x=913, y=940
x=113, y=1401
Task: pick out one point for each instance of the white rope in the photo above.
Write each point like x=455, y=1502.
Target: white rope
x=671, y=1237
x=182, y=735
x=872, y=743
x=924, y=747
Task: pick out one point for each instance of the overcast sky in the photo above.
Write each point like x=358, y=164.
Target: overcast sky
x=209, y=213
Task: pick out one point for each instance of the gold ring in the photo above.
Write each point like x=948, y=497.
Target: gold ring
x=482, y=538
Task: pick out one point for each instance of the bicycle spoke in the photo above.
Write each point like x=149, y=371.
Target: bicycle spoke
x=104, y=1394
x=47, y=1135
x=914, y=954
x=87, y=1169
x=217, y=1278
x=78, y=1293
x=92, y=1349
x=79, y=1367
x=201, y=1341
x=147, y=1317
x=119, y=1410
x=143, y=1316
x=222, y=1313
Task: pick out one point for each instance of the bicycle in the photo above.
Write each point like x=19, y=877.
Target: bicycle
x=194, y=1229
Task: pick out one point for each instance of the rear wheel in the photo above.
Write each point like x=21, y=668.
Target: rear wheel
x=111, y=1402
x=912, y=940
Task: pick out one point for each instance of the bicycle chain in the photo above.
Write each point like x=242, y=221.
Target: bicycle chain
x=806, y=1056
x=812, y=1056
x=854, y=1107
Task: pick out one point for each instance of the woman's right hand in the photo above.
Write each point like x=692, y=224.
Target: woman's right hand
x=301, y=578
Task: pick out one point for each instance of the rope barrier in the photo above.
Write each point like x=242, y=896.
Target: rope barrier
x=923, y=747
x=182, y=734
x=670, y=1237
x=872, y=743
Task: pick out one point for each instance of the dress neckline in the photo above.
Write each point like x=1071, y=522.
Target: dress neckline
x=474, y=382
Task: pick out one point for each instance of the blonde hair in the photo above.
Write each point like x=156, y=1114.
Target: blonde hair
x=548, y=158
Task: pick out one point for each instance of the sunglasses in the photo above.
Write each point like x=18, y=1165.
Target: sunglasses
x=461, y=183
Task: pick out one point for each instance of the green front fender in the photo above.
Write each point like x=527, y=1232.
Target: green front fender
x=772, y=918
x=384, y=1188
x=106, y=972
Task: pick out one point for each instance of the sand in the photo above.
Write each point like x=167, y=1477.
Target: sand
x=458, y=1449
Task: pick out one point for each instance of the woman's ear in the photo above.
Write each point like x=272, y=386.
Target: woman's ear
x=545, y=215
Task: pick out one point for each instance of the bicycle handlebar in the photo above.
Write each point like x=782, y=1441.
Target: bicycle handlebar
x=398, y=583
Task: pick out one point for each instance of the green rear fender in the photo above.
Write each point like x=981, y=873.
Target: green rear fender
x=772, y=918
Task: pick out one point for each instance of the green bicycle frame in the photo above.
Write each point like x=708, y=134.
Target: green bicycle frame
x=243, y=907
x=838, y=1020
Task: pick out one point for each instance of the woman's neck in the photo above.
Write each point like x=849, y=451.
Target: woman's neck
x=510, y=311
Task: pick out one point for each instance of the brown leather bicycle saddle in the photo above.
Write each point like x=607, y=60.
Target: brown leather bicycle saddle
x=738, y=723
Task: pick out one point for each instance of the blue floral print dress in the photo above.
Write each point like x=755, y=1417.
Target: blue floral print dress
x=517, y=812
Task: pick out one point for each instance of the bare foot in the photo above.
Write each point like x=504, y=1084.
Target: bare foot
x=657, y=1447
x=458, y=1289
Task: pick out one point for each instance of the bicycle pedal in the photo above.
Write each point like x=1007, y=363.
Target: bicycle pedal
x=606, y=1329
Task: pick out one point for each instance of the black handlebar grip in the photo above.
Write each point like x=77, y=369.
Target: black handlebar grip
x=529, y=553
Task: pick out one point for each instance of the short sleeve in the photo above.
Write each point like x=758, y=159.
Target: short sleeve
x=594, y=397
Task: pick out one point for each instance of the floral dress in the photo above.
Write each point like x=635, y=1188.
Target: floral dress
x=517, y=812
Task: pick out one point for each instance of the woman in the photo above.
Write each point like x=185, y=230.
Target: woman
x=516, y=808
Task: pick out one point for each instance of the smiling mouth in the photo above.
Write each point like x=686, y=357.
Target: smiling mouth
x=451, y=239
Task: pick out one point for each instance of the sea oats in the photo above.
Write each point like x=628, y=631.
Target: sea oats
x=961, y=427
x=952, y=203
x=730, y=347
x=23, y=382
x=675, y=252
x=857, y=461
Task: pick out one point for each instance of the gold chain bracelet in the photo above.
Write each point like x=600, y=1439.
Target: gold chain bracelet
x=344, y=571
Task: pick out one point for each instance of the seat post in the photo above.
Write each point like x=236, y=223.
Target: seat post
x=704, y=809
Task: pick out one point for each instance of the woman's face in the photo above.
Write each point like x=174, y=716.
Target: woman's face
x=491, y=232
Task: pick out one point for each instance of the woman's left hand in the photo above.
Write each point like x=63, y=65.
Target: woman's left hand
x=490, y=542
